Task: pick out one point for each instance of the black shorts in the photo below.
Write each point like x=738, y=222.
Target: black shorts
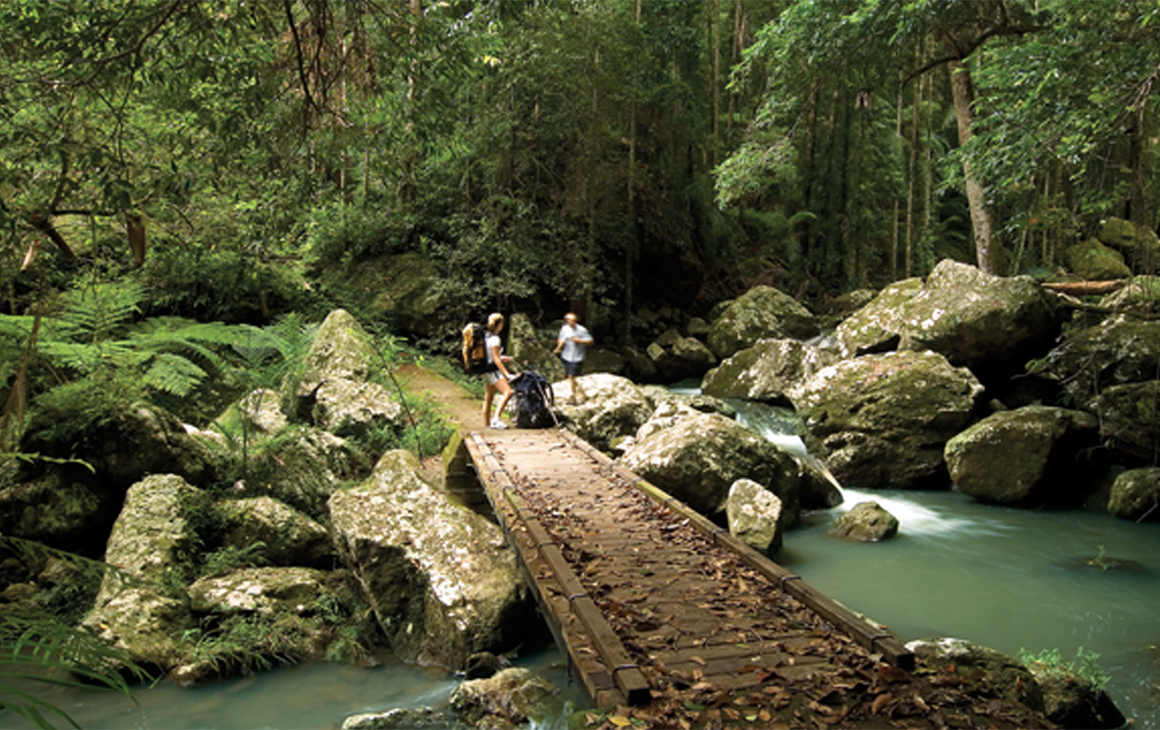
x=572, y=369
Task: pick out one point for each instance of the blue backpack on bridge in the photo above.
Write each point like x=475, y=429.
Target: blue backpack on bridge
x=534, y=401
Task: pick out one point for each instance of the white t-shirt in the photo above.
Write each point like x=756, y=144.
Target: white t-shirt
x=491, y=340
x=573, y=351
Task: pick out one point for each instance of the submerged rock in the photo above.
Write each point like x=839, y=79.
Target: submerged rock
x=865, y=522
x=439, y=577
x=754, y=514
x=882, y=420
x=1024, y=457
x=515, y=695
x=761, y=312
x=697, y=456
x=420, y=718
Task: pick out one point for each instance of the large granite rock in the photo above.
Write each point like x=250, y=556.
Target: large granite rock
x=349, y=408
x=754, y=515
x=57, y=508
x=1026, y=457
x=697, y=456
x=766, y=371
x=971, y=317
x=341, y=350
x=141, y=607
x=303, y=468
x=612, y=407
x=677, y=357
x=265, y=591
x=439, y=577
x=124, y=448
x=1136, y=495
x=882, y=420
x=1129, y=421
x=761, y=312
x=531, y=349
x=1093, y=261
x=261, y=409
x=865, y=522
x=1139, y=244
x=289, y=536
x=1141, y=294
x=876, y=328
x=989, y=670
x=514, y=695
x=1114, y=352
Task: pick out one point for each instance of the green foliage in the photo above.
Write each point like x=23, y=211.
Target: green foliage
x=227, y=559
x=1052, y=663
x=44, y=647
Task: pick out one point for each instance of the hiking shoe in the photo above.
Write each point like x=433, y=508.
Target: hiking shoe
x=496, y=423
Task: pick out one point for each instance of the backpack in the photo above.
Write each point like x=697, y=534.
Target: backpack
x=475, y=350
x=534, y=401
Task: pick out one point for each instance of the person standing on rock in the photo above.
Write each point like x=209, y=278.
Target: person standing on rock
x=572, y=340
x=497, y=379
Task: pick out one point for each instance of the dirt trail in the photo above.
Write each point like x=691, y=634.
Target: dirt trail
x=458, y=405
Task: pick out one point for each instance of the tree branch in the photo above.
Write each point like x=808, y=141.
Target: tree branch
x=961, y=54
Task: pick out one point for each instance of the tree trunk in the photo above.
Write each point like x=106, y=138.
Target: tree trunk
x=964, y=96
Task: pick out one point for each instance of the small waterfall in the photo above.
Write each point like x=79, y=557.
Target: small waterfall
x=782, y=427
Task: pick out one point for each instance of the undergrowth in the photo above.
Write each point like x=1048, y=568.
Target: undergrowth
x=1050, y=662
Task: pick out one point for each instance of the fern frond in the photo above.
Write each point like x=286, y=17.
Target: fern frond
x=174, y=374
x=95, y=311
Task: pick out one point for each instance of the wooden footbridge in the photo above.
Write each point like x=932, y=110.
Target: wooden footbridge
x=656, y=605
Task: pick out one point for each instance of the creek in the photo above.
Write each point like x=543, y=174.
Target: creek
x=1010, y=579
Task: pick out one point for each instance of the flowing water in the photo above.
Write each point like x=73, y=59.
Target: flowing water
x=313, y=696
x=1011, y=579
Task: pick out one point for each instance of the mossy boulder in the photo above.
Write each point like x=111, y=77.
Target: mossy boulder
x=531, y=349
x=677, y=357
x=1136, y=495
x=971, y=317
x=1116, y=351
x=987, y=669
x=354, y=409
x=131, y=443
x=761, y=312
x=1075, y=703
x=697, y=457
x=303, y=467
x=1139, y=244
x=289, y=537
x=610, y=407
x=883, y=420
x=1129, y=419
x=874, y=328
x=142, y=608
x=403, y=718
x=1141, y=295
x=440, y=578
x=1026, y=457
x=754, y=516
x=1093, y=261
x=514, y=695
x=265, y=591
x=58, y=508
x=865, y=522
x=767, y=371
x=341, y=350
x=403, y=290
